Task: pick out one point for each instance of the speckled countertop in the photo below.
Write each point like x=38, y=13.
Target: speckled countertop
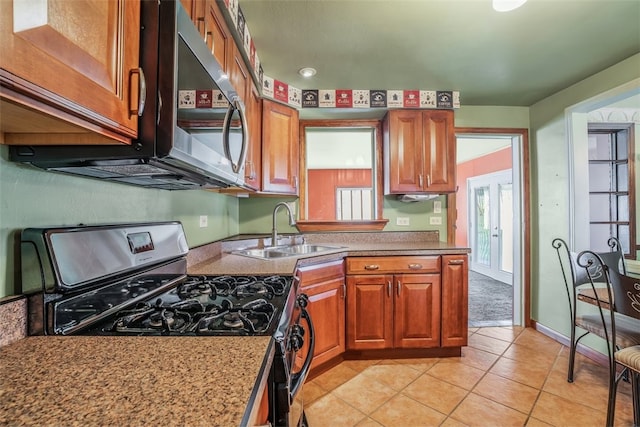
x=129, y=381
x=229, y=263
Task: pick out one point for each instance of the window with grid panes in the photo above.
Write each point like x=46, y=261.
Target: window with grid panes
x=611, y=187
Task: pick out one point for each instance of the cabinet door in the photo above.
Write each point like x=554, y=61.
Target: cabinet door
x=253, y=164
x=280, y=148
x=217, y=36
x=404, y=155
x=369, y=312
x=439, y=151
x=80, y=57
x=417, y=310
x=324, y=284
x=238, y=75
x=455, y=315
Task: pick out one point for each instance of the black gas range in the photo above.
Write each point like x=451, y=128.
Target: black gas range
x=132, y=280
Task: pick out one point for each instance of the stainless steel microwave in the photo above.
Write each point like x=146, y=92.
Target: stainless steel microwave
x=192, y=131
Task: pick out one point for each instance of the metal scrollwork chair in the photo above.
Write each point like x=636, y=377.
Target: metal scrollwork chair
x=626, y=305
x=576, y=279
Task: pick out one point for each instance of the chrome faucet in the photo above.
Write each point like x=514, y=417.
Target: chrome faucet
x=274, y=231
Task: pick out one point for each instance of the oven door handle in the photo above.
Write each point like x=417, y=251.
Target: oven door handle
x=298, y=378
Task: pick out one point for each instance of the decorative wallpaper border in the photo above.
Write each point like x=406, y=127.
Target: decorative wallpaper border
x=334, y=98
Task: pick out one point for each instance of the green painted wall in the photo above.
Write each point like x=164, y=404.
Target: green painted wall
x=30, y=197
x=550, y=216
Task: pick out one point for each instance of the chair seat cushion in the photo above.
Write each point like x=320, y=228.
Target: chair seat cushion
x=629, y=357
x=627, y=328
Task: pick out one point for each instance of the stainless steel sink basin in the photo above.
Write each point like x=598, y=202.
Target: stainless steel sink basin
x=273, y=252
x=307, y=249
x=265, y=253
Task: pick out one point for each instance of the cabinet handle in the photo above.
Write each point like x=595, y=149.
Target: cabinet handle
x=399, y=287
x=206, y=37
x=295, y=182
x=415, y=266
x=371, y=267
x=429, y=180
x=250, y=169
x=389, y=288
x=142, y=91
x=344, y=291
x=199, y=20
x=420, y=179
x=456, y=261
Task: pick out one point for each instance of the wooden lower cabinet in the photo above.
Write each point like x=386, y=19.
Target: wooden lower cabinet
x=393, y=311
x=325, y=286
x=455, y=300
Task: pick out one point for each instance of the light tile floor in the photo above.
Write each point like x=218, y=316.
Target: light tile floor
x=506, y=376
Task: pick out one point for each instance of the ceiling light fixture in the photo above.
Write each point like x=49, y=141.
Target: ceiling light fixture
x=507, y=5
x=307, y=72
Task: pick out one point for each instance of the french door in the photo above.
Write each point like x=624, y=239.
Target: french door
x=490, y=204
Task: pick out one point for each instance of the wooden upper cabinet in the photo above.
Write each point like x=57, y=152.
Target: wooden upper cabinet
x=280, y=148
x=75, y=61
x=208, y=19
x=217, y=35
x=419, y=151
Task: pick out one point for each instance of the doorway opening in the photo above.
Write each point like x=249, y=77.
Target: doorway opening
x=489, y=218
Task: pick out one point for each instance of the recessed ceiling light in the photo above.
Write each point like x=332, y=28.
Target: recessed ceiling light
x=507, y=5
x=307, y=72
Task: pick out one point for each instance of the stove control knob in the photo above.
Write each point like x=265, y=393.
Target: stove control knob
x=295, y=342
x=297, y=330
x=302, y=300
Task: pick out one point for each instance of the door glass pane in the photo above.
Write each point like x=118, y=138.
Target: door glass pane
x=599, y=209
x=623, y=208
x=483, y=226
x=622, y=149
x=623, y=236
x=506, y=227
x=622, y=175
x=599, y=147
x=599, y=234
x=599, y=177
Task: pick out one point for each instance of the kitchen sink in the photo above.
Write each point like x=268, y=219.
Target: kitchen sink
x=307, y=249
x=274, y=252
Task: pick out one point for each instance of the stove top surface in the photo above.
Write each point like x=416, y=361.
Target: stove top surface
x=222, y=305
x=195, y=305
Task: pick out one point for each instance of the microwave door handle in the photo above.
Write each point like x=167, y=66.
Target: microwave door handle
x=245, y=137
x=298, y=378
x=226, y=128
x=235, y=105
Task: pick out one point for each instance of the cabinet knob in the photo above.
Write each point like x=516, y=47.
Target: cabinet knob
x=415, y=266
x=371, y=267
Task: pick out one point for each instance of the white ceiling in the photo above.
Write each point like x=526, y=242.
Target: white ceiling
x=511, y=59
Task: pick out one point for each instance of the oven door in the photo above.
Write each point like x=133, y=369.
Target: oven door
x=290, y=369
x=300, y=371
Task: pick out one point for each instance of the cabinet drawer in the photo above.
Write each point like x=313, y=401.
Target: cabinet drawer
x=393, y=264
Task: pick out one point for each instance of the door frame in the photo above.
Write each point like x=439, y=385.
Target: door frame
x=521, y=169
x=491, y=179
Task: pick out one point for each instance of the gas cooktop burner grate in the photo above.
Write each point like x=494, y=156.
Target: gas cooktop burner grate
x=201, y=305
